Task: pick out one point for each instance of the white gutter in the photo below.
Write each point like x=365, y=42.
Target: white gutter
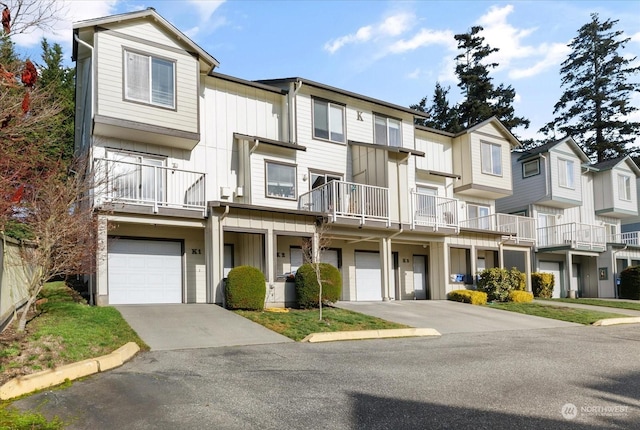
x=93, y=80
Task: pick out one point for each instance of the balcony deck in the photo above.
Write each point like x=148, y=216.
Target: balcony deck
x=438, y=213
x=586, y=237
x=521, y=228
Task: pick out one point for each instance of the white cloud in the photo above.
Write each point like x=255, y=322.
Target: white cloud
x=635, y=37
x=554, y=55
x=414, y=74
x=207, y=22
x=392, y=26
x=424, y=37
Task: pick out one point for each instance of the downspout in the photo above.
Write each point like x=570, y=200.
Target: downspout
x=548, y=176
x=291, y=98
x=615, y=266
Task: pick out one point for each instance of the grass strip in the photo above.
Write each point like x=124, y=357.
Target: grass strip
x=596, y=302
x=14, y=419
x=298, y=323
x=563, y=313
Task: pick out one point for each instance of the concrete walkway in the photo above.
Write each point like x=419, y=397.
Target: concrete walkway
x=451, y=317
x=628, y=312
x=185, y=326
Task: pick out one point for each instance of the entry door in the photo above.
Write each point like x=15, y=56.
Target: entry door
x=546, y=230
x=228, y=260
x=420, y=277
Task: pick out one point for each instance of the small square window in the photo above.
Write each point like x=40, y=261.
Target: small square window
x=531, y=168
x=387, y=131
x=281, y=180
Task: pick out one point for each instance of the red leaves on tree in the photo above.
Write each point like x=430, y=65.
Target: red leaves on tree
x=26, y=103
x=29, y=74
x=6, y=20
x=17, y=196
x=6, y=77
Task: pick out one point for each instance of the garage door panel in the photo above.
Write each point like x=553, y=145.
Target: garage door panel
x=368, y=276
x=145, y=271
x=554, y=268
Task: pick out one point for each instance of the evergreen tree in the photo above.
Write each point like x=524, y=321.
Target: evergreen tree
x=482, y=99
x=597, y=92
x=441, y=115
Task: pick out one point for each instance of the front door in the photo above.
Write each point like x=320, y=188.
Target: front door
x=420, y=287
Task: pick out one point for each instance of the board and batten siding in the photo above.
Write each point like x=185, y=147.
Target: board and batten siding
x=110, y=85
x=438, y=152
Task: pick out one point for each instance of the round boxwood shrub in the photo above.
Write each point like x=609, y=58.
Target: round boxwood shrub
x=307, y=288
x=245, y=289
x=497, y=283
x=542, y=284
x=630, y=283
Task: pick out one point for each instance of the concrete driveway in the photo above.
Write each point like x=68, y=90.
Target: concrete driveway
x=451, y=317
x=185, y=326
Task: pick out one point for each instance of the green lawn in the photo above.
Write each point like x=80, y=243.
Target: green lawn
x=597, y=302
x=298, y=323
x=580, y=316
x=14, y=419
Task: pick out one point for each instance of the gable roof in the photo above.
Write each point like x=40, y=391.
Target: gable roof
x=314, y=84
x=550, y=145
x=149, y=13
x=610, y=164
x=493, y=120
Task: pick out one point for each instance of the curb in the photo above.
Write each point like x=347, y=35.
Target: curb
x=616, y=321
x=69, y=372
x=369, y=334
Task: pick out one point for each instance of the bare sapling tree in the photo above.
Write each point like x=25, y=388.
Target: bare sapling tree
x=63, y=226
x=25, y=16
x=312, y=253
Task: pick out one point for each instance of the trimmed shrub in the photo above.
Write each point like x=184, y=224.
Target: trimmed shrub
x=630, y=283
x=518, y=296
x=497, y=283
x=542, y=284
x=307, y=288
x=518, y=279
x=245, y=289
x=468, y=296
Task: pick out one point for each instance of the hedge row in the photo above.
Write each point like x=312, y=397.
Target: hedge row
x=468, y=296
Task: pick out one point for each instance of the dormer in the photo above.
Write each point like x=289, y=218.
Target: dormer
x=614, y=187
x=140, y=76
x=481, y=158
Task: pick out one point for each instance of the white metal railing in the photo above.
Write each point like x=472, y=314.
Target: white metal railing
x=629, y=238
x=522, y=227
x=149, y=185
x=349, y=200
x=574, y=235
x=432, y=211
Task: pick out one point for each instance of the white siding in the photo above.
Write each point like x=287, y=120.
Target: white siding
x=110, y=80
x=565, y=152
x=438, y=152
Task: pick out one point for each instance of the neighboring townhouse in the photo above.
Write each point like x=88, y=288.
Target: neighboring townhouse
x=200, y=172
x=578, y=207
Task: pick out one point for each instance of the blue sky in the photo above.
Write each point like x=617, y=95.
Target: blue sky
x=391, y=50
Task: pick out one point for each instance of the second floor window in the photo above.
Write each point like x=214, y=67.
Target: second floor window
x=491, y=157
x=387, y=131
x=281, y=180
x=149, y=79
x=328, y=121
x=531, y=168
x=565, y=173
x=624, y=187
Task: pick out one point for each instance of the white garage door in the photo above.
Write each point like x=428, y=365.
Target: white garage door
x=144, y=271
x=553, y=267
x=368, y=276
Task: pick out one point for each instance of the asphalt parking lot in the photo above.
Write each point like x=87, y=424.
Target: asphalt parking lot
x=507, y=379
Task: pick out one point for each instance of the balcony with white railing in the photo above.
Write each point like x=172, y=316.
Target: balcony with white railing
x=439, y=213
x=631, y=238
x=521, y=228
x=573, y=235
x=348, y=200
x=154, y=186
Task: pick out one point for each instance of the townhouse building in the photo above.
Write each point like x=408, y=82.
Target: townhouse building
x=198, y=172
x=579, y=208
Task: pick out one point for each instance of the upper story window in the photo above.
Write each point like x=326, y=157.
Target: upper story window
x=328, y=121
x=491, y=157
x=624, y=187
x=318, y=179
x=281, y=180
x=387, y=131
x=531, y=168
x=149, y=79
x=566, y=173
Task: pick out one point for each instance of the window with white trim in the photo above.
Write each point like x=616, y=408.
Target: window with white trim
x=281, y=180
x=566, y=173
x=387, y=131
x=491, y=158
x=531, y=168
x=478, y=216
x=318, y=179
x=624, y=187
x=328, y=121
x=149, y=79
